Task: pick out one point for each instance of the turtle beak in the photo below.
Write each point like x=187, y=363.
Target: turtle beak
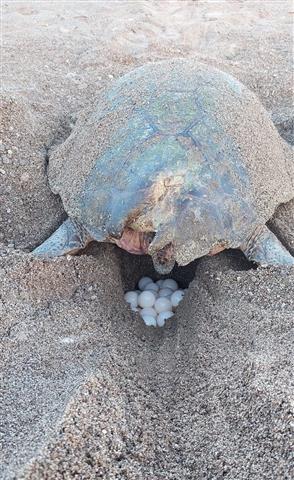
x=162, y=251
x=164, y=259
x=162, y=268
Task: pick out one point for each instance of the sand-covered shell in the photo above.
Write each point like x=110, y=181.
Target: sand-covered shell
x=177, y=148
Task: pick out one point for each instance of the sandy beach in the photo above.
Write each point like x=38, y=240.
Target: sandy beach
x=89, y=391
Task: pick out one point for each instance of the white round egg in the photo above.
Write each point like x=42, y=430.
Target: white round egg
x=177, y=297
x=146, y=299
x=170, y=283
x=162, y=317
x=160, y=282
x=132, y=298
x=151, y=286
x=162, y=304
x=148, y=311
x=149, y=321
x=143, y=282
x=165, y=292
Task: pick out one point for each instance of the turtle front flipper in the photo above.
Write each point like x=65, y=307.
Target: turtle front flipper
x=69, y=238
x=264, y=248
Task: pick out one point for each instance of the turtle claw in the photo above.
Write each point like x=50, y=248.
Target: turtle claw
x=265, y=249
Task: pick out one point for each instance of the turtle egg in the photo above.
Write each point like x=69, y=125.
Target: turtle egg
x=160, y=282
x=151, y=286
x=146, y=299
x=176, y=297
x=148, y=311
x=162, y=317
x=165, y=292
x=162, y=304
x=143, y=282
x=149, y=321
x=170, y=283
x=132, y=298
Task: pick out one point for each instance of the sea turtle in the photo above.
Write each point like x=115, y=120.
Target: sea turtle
x=176, y=159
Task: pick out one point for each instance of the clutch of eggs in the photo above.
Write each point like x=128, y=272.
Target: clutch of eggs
x=155, y=301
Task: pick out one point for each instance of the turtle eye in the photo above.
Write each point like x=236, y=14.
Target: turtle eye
x=149, y=237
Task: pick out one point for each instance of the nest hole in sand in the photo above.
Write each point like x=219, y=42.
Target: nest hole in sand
x=134, y=267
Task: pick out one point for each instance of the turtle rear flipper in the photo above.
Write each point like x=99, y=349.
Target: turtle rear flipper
x=264, y=248
x=69, y=238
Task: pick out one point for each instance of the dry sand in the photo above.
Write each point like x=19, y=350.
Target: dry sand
x=89, y=391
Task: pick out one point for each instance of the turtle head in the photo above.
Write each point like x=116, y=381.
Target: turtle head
x=141, y=243
x=162, y=252
x=164, y=259
x=133, y=241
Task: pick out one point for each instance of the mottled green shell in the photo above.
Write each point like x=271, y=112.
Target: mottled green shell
x=177, y=148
